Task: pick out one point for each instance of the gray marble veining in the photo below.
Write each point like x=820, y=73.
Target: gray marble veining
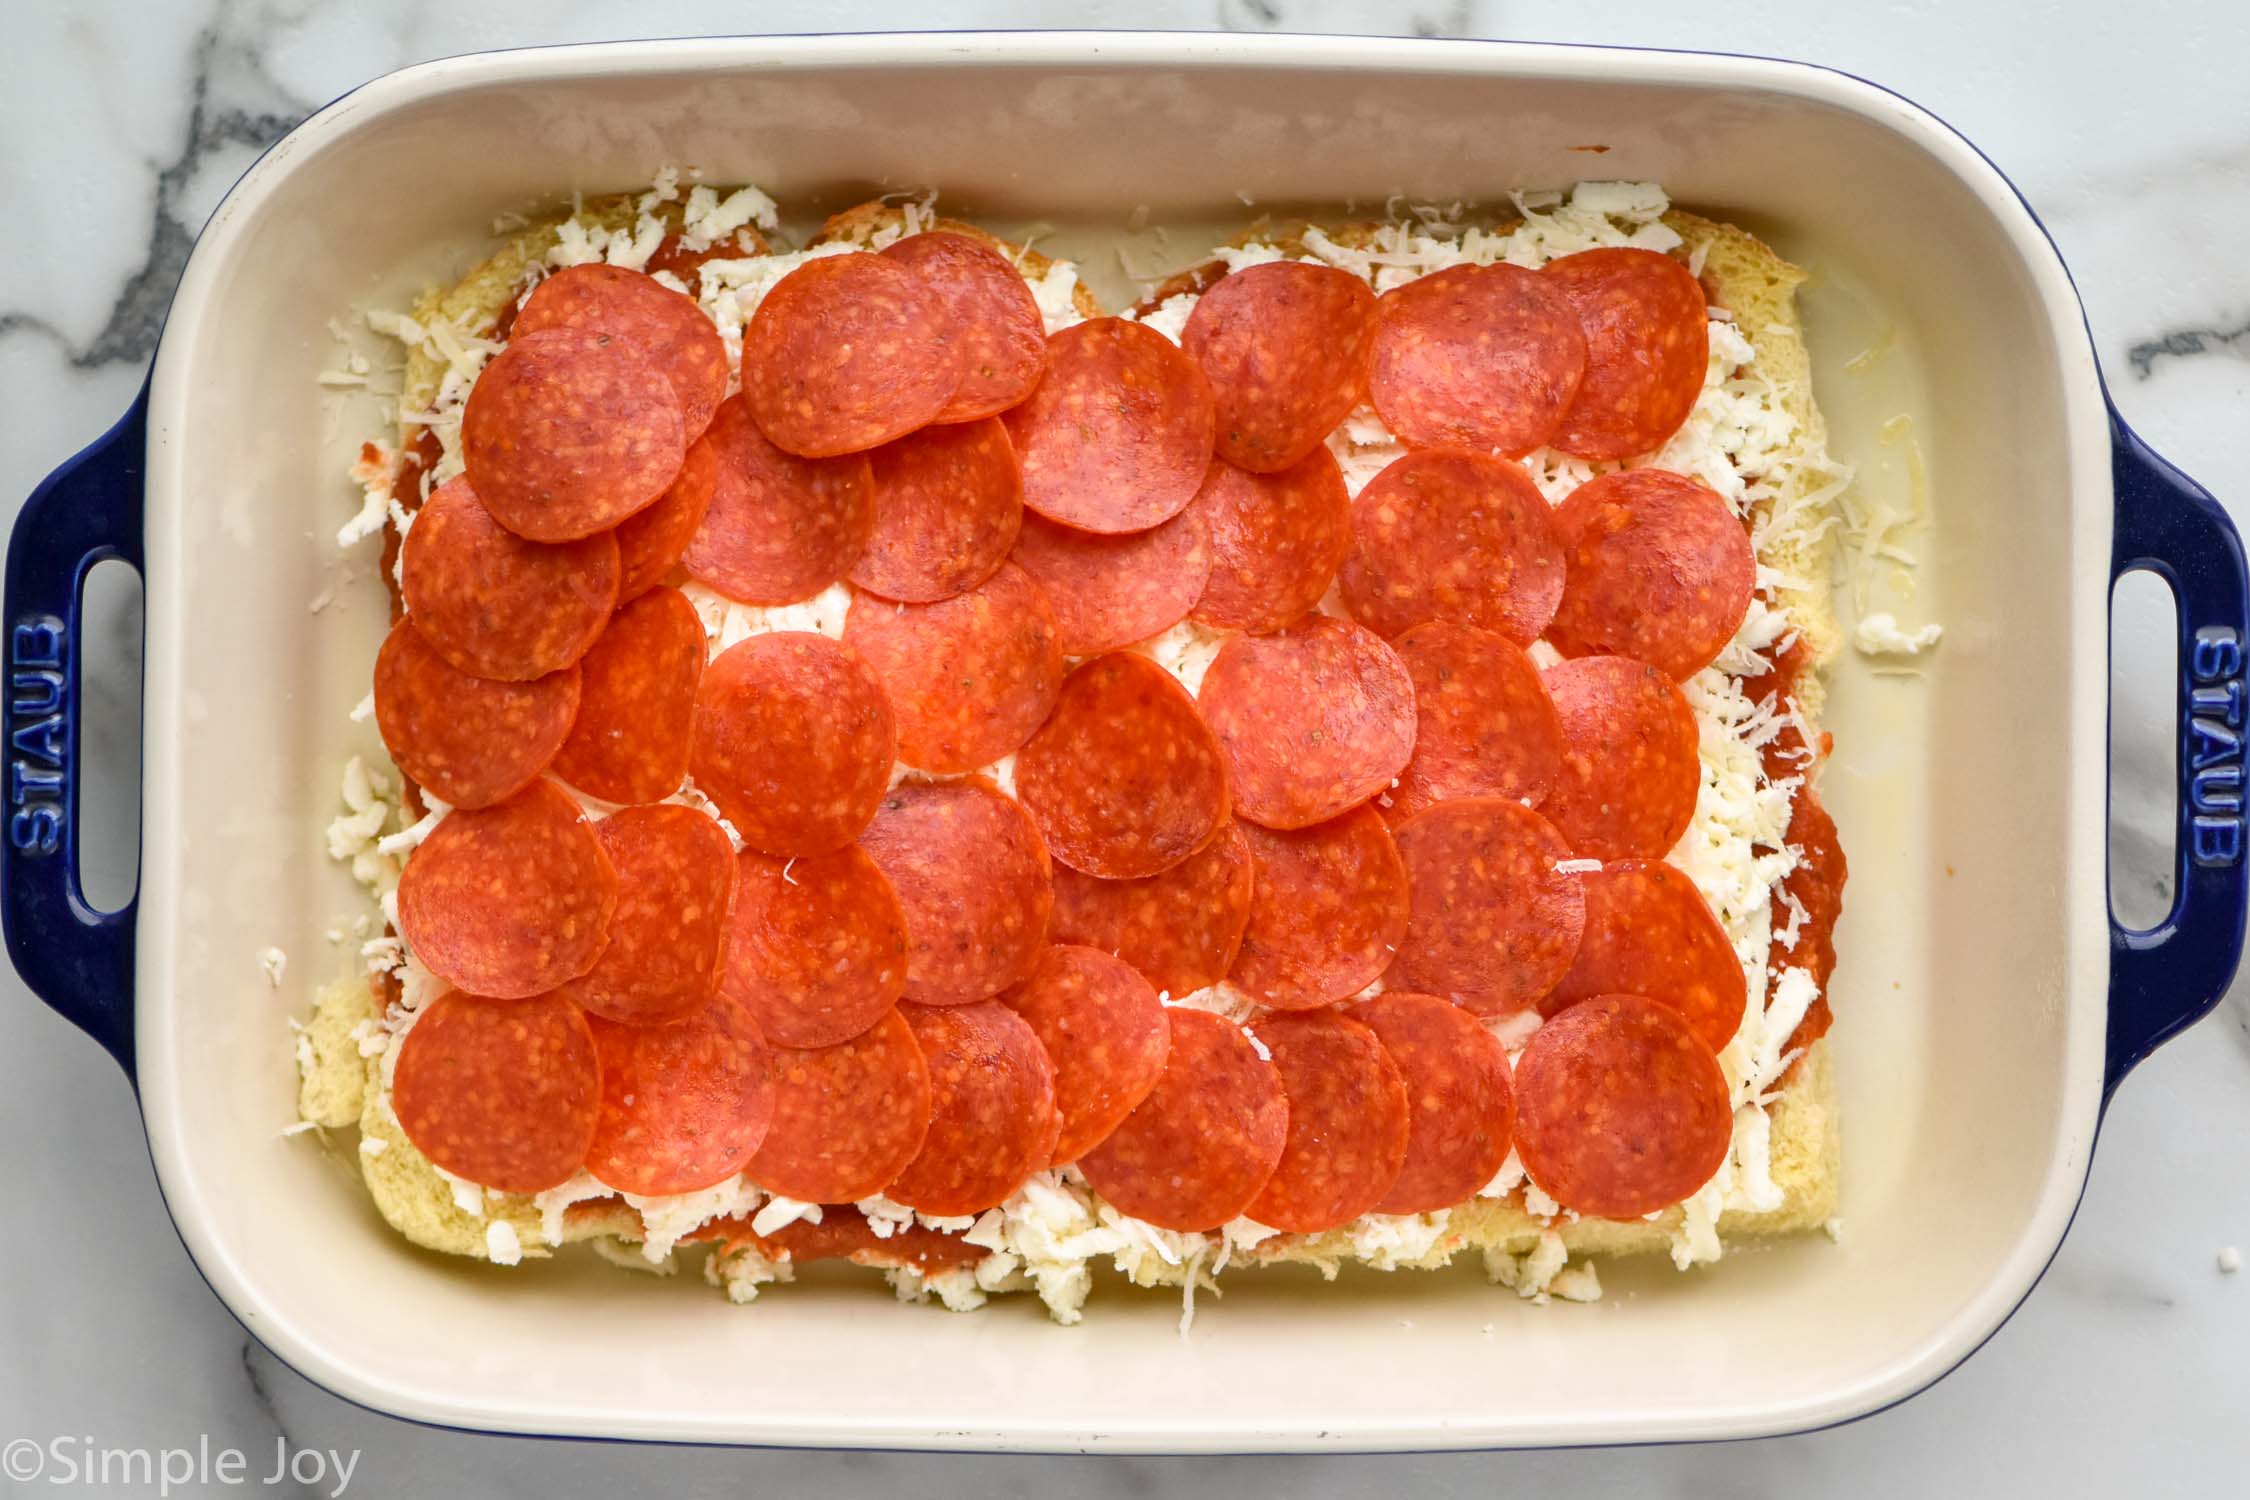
x=2125, y=127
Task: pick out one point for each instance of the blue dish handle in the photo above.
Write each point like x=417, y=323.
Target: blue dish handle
x=2167, y=977
x=77, y=959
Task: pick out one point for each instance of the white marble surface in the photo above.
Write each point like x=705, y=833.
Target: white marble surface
x=124, y=121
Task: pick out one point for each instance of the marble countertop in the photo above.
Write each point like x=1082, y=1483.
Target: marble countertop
x=2126, y=128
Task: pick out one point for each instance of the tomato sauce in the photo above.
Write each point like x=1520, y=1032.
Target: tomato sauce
x=843, y=1233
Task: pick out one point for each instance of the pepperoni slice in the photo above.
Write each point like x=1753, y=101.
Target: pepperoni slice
x=1195, y=1152
x=948, y=502
x=995, y=319
x=794, y=740
x=1327, y=910
x=1461, y=1105
x=970, y=677
x=1627, y=781
x=684, y=1105
x=1621, y=1109
x=1648, y=341
x=1649, y=932
x=1658, y=569
x=1276, y=540
x=468, y=740
x=1181, y=929
x=512, y=899
x=636, y=714
x=1494, y=926
x=1312, y=719
x=501, y=1092
x=779, y=528
x=992, y=1109
x=1124, y=779
x=973, y=881
x=1445, y=534
x=675, y=873
x=1109, y=591
x=1483, y=357
x=1483, y=723
x=1348, y=1123
x=651, y=542
x=666, y=324
x=495, y=605
x=1117, y=434
x=816, y=947
x=1103, y=1029
x=1285, y=346
x=569, y=431
x=846, y=353
x=847, y=1118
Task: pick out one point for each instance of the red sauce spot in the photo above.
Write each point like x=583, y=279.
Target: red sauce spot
x=1817, y=884
x=843, y=1233
x=688, y=264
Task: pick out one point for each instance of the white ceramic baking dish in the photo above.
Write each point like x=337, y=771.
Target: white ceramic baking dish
x=1985, y=1005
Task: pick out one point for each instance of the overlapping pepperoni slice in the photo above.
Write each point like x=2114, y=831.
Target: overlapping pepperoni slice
x=1285, y=346
x=1181, y=929
x=1446, y=534
x=675, y=873
x=569, y=431
x=1328, y=908
x=1626, y=785
x=652, y=542
x=1348, y=1122
x=847, y=1118
x=1620, y=1108
x=1124, y=779
x=684, y=1105
x=1494, y=924
x=1648, y=340
x=1117, y=433
x=495, y=605
x=846, y=353
x=1109, y=591
x=1483, y=723
x=794, y=741
x=948, y=502
x=1195, y=1152
x=1461, y=1106
x=995, y=320
x=1276, y=540
x=509, y=900
x=666, y=324
x=1104, y=1030
x=992, y=1109
x=1482, y=357
x=1657, y=568
x=468, y=740
x=970, y=677
x=501, y=1092
x=778, y=528
x=816, y=947
x=636, y=711
x=1311, y=719
x=973, y=881
x=1649, y=932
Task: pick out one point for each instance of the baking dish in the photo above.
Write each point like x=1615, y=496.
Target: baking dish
x=1988, y=1003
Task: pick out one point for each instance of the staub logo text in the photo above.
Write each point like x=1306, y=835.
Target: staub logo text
x=38, y=733
x=2214, y=745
